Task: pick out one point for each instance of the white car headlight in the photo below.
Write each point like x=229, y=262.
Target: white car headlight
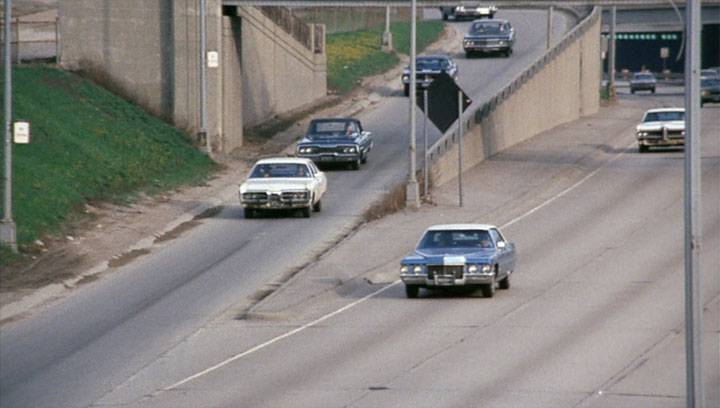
x=642, y=134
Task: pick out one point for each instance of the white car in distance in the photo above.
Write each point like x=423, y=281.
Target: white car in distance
x=283, y=183
x=661, y=127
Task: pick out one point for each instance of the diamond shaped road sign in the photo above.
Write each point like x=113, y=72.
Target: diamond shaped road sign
x=443, y=101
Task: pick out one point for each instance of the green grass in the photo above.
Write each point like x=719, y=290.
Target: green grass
x=87, y=145
x=355, y=55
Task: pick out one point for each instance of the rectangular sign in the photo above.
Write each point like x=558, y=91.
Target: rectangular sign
x=21, y=132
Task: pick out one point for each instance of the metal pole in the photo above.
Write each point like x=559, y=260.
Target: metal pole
x=412, y=193
x=8, y=233
x=693, y=230
x=550, y=27
x=460, y=148
x=203, y=133
x=611, y=56
x=425, y=144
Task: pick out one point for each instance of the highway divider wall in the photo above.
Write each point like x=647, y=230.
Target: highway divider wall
x=560, y=86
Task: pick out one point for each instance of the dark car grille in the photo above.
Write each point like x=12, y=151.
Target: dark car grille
x=444, y=270
x=671, y=134
x=328, y=149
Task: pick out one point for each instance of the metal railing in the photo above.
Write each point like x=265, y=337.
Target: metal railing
x=33, y=40
x=294, y=26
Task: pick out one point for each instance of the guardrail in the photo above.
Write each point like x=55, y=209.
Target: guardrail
x=32, y=40
x=307, y=34
x=469, y=121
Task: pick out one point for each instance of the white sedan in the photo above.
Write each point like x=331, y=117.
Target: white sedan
x=661, y=127
x=283, y=183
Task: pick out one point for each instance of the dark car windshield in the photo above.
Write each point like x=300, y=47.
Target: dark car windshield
x=643, y=77
x=710, y=83
x=664, y=116
x=272, y=170
x=332, y=128
x=484, y=28
x=432, y=63
x=456, y=239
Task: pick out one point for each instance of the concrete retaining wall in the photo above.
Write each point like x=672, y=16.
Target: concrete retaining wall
x=561, y=86
x=279, y=73
x=148, y=51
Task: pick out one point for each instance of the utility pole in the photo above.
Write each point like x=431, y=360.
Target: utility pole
x=8, y=231
x=693, y=227
x=387, y=34
x=412, y=190
x=611, y=52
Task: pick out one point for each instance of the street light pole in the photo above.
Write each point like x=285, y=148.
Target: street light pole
x=693, y=229
x=8, y=232
x=412, y=190
x=203, y=132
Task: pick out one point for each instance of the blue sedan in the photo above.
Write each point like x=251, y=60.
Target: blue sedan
x=336, y=141
x=459, y=255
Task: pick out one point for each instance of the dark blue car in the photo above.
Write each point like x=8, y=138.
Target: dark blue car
x=336, y=141
x=459, y=255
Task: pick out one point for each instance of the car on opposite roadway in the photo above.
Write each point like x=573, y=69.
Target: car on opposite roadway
x=709, y=73
x=427, y=67
x=283, y=183
x=340, y=140
x=486, y=36
x=642, y=81
x=661, y=127
x=709, y=91
x=456, y=255
x=468, y=11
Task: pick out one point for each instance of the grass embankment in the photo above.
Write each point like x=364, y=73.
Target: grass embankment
x=86, y=145
x=355, y=55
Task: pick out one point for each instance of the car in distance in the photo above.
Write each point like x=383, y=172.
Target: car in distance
x=709, y=91
x=486, y=36
x=283, y=183
x=464, y=12
x=642, y=81
x=336, y=141
x=427, y=67
x=661, y=127
x=456, y=255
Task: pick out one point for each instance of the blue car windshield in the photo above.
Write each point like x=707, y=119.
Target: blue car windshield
x=456, y=239
x=664, y=116
x=278, y=170
x=332, y=129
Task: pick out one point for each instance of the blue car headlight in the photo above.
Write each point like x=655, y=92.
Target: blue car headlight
x=350, y=149
x=305, y=149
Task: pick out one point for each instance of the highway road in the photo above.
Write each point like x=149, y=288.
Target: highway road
x=593, y=318
x=87, y=348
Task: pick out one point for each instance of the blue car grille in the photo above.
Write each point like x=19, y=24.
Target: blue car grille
x=445, y=270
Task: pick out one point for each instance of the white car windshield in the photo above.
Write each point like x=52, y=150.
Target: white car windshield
x=643, y=77
x=664, y=116
x=285, y=170
x=456, y=239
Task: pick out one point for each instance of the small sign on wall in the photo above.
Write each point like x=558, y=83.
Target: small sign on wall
x=21, y=132
x=213, y=60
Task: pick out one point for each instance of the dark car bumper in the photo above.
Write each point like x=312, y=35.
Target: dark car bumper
x=332, y=157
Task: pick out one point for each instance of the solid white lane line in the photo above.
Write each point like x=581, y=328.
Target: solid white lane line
x=567, y=190
x=278, y=338
x=357, y=302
